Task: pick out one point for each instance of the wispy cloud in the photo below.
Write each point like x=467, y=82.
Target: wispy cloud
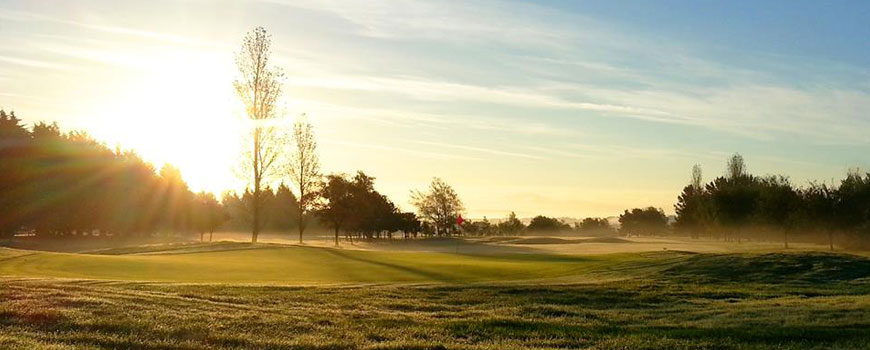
x=405, y=150
x=34, y=63
x=480, y=150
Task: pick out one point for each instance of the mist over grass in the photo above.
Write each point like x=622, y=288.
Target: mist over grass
x=692, y=304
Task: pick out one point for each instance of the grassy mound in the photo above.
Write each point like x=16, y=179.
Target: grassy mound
x=285, y=265
x=557, y=240
x=543, y=240
x=774, y=268
x=177, y=248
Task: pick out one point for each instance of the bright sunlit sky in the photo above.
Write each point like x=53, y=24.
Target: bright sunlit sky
x=563, y=108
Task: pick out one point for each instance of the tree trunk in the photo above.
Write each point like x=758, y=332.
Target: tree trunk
x=785, y=234
x=336, y=236
x=256, y=223
x=210, y=235
x=831, y=239
x=301, y=222
x=201, y=234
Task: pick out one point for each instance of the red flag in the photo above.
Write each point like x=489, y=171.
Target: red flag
x=459, y=220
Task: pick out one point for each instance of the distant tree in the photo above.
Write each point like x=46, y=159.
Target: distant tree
x=735, y=167
x=511, y=226
x=650, y=221
x=820, y=209
x=693, y=208
x=440, y=206
x=304, y=169
x=15, y=143
x=409, y=224
x=542, y=223
x=853, y=205
x=176, y=200
x=777, y=205
x=595, y=226
x=336, y=208
x=69, y=185
x=209, y=214
x=478, y=227
x=259, y=88
x=284, y=209
x=697, y=177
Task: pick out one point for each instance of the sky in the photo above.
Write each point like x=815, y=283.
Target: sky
x=562, y=108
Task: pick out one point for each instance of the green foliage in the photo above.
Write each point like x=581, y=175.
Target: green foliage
x=595, y=227
x=439, y=207
x=647, y=221
x=511, y=226
x=356, y=207
x=740, y=205
x=542, y=223
x=62, y=184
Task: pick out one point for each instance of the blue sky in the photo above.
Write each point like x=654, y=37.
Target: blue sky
x=564, y=108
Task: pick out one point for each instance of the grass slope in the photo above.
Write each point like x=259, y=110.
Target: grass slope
x=661, y=300
x=659, y=311
x=219, y=263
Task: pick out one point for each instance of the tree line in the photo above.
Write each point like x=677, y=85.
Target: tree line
x=61, y=184
x=67, y=184
x=739, y=206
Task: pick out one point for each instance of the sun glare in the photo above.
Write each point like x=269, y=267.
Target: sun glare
x=182, y=111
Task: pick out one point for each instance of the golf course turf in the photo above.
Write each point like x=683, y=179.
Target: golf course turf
x=237, y=296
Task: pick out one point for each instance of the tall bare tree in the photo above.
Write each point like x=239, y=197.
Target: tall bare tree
x=304, y=169
x=259, y=87
x=736, y=167
x=697, y=177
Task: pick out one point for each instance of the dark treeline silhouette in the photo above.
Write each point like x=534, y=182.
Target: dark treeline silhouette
x=646, y=221
x=353, y=205
x=740, y=206
x=278, y=210
x=55, y=184
x=538, y=225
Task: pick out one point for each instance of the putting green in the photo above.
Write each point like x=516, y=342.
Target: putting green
x=313, y=265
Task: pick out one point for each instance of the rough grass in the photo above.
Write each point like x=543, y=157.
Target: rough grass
x=650, y=313
x=811, y=268
x=662, y=300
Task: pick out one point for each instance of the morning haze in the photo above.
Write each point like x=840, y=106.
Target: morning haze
x=269, y=174
x=574, y=102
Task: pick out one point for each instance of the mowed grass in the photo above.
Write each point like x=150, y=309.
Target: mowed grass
x=239, y=263
x=704, y=307
x=238, y=296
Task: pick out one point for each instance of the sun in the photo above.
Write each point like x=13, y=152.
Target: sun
x=183, y=111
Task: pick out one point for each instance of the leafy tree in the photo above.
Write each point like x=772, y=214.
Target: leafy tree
x=820, y=209
x=778, y=205
x=853, y=205
x=511, y=226
x=209, y=215
x=60, y=184
x=650, y=221
x=14, y=144
x=409, y=224
x=595, y=227
x=337, y=205
x=693, y=207
x=440, y=206
x=480, y=227
x=542, y=223
x=283, y=210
